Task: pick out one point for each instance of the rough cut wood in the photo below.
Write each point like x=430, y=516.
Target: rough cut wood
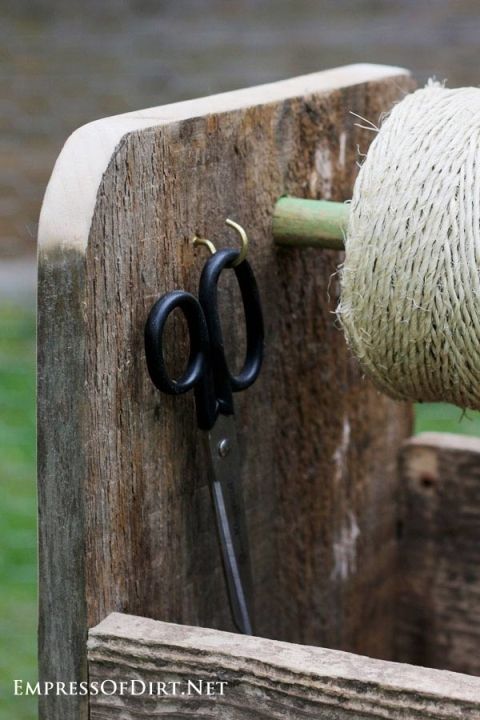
x=264, y=679
x=125, y=516
x=439, y=581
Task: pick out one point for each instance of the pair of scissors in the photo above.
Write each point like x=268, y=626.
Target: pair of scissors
x=208, y=374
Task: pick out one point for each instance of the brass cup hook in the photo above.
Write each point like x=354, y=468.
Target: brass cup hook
x=243, y=237
x=196, y=241
x=244, y=240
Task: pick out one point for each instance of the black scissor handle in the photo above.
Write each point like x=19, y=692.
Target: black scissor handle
x=208, y=296
x=198, y=332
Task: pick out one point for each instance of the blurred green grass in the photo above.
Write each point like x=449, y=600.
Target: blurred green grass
x=441, y=417
x=18, y=537
x=18, y=575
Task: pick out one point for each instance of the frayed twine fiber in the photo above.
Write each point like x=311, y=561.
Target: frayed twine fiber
x=410, y=303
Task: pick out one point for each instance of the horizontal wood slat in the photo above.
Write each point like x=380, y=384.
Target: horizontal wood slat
x=265, y=679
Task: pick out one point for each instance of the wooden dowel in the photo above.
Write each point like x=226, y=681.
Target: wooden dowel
x=309, y=223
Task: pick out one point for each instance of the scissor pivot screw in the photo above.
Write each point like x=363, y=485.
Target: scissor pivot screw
x=223, y=447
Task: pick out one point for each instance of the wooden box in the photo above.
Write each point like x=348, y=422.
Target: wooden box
x=351, y=550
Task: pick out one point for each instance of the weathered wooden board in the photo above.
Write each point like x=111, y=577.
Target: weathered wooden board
x=263, y=678
x=125, y=517
x=439, y=579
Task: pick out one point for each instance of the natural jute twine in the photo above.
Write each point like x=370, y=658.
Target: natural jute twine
x=410, y=302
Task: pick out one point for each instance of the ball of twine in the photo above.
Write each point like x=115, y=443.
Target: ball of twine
x=410, y=283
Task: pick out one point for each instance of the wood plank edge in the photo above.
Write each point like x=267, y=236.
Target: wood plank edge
x=444, y=441
x=70, y=197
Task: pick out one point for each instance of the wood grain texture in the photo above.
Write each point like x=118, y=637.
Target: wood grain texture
x=439, y=587
x=61, y=478
x=126, y=522
x=263, y=678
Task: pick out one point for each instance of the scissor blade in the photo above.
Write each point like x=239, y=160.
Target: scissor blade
x=231, y=521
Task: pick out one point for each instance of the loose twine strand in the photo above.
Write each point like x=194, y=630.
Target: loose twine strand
x=410, y=283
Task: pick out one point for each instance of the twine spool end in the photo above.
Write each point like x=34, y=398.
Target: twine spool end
x=410, y=282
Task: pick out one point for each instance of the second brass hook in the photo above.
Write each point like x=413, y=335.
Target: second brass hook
x=244, y=240
x=243, y=237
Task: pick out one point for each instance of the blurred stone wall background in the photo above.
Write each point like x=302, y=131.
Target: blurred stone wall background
x=65, y=63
